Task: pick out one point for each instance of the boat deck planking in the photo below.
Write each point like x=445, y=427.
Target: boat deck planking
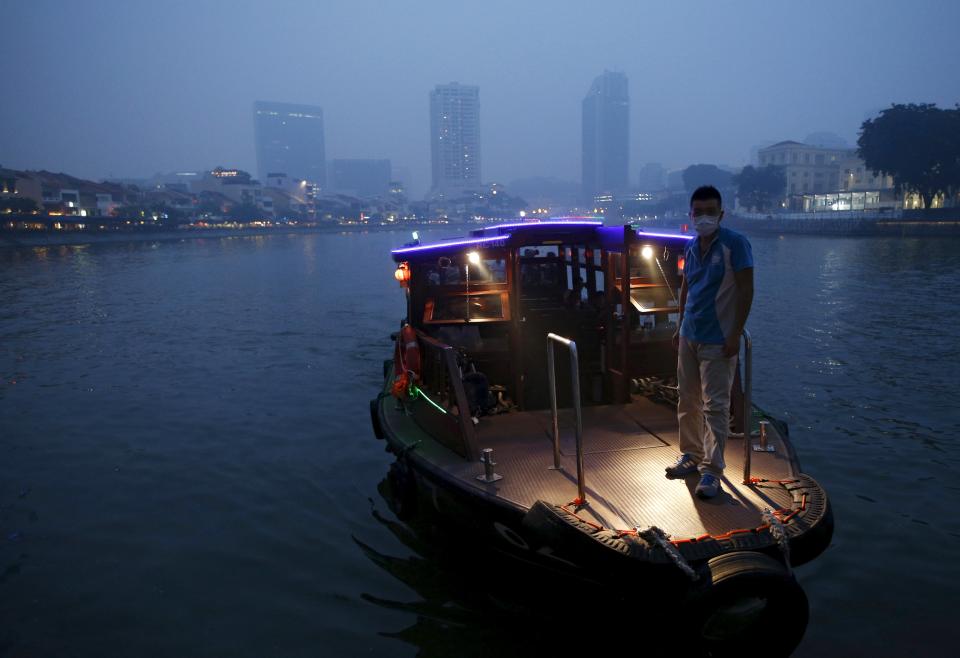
x=626, y=448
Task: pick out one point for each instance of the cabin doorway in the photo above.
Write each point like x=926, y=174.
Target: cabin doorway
x=561, y=291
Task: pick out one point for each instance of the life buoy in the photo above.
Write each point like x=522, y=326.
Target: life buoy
x=406, y=361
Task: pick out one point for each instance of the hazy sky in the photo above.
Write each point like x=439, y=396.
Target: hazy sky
x=132, y=88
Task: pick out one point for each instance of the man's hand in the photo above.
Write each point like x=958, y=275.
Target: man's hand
x=732, y=346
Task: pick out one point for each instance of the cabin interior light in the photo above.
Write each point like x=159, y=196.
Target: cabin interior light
x=647, y=252
x=474, y=258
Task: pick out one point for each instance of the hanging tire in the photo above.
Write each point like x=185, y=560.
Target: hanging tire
x=816, y=539
x=375, y=418
x=403, y=491
x=747, y=604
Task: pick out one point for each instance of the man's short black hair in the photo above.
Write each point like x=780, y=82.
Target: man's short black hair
x=705, y=193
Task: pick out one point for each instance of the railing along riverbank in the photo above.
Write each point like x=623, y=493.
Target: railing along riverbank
x=892, y=222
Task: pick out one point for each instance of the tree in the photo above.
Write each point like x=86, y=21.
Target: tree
x=760, y=187
x=18, y=205
x=918, y=145
x=698, y=175
x=245, y=212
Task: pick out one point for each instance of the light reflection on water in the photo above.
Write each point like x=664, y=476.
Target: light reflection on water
x=186, y=463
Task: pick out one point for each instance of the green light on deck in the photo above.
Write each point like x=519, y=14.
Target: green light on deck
x=417, y=392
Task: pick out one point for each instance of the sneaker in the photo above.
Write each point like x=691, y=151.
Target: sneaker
x=683, y=466
x=709, y=486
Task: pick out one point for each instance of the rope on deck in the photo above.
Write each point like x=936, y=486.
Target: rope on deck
x=780, y=534
x=774, y=523
x=654, y=535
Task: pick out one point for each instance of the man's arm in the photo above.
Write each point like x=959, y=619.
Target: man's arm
x=744, y=283
x=683, y=304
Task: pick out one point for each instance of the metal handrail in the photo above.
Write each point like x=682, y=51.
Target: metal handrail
x=456, y=390
x=747, y=403
x=575, y=391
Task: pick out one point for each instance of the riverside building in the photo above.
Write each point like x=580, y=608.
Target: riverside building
x=820, y=179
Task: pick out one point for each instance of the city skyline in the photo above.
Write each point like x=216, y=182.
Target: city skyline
x=736, y=81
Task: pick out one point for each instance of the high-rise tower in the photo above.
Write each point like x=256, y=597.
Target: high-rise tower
x=455, y=137
x=289, y=141
x=606, y=136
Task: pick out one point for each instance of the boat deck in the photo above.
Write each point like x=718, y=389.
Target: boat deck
x=626, y=448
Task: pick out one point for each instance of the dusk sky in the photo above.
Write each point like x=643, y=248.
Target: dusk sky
x=129, y=89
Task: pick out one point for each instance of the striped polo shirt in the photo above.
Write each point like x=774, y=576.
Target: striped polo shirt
x=711, y=310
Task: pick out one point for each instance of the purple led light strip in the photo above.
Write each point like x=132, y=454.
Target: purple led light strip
x=547, y=223
x=441, y=245
x=666, y=235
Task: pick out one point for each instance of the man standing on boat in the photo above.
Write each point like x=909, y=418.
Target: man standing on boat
x=715, y=299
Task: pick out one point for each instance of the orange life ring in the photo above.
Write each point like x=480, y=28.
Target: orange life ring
x=406, y=361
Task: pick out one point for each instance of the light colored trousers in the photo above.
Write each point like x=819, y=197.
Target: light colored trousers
x=704, y=379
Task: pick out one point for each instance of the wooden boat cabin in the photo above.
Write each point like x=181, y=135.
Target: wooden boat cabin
x=495, y=295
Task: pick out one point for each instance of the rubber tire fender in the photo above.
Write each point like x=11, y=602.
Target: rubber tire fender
x=403, y=490
x=375, y=418
x=816, y=540
x=777, y=629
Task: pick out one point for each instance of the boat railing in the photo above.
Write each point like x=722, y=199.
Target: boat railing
x=441, y=376
x=552, y=341
x=747, y=403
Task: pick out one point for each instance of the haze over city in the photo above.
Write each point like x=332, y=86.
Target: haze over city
x=439, y=328
x=129, y=89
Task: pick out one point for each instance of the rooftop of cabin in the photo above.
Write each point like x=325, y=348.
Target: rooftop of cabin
x=519, y=234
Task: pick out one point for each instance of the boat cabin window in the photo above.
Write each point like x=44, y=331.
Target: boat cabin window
x=542, y=271
x=654, y=289
x=458, y=289
x=456, y=307
x=448, y=272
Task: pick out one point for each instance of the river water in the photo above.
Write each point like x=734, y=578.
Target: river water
x=187, y=466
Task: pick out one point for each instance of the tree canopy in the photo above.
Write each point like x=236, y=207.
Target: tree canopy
x=18, y=205
x=918, y=145
x=246, y=212
x=697, y=175
x=760, y=187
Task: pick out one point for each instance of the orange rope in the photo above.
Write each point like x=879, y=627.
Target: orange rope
x=783, y=514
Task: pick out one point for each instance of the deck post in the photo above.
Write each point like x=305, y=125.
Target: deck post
x=747, y=403
x=578, y=418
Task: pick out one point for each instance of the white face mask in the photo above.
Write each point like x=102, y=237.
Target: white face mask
x=705, y=225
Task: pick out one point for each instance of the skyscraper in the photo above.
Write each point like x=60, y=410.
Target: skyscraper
x=362, y=178
x=455, y=137
x=606, y=136
x=289, y=141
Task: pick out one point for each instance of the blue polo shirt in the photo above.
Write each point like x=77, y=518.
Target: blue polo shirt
x=711, y=310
